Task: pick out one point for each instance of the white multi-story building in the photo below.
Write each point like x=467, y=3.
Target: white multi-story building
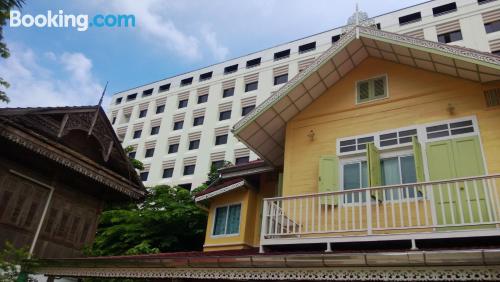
x=180, y=126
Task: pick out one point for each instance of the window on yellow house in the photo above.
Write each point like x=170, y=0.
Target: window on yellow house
x=227, y=220
x=355, y=176
x=398, y=170
x=371, y=89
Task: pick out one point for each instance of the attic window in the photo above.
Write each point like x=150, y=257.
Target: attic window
x=282, y=55
x=205, y=76
x=335, y=38
x=164, y=87
x=147, y=92
x=444, y=9
x=411, y=18
x=371, y=89
x=492, y=97
x=186, y=81
x=307, y=47
x=230, y=69
x=131, y=97
x=253, y=63
x=484, y=1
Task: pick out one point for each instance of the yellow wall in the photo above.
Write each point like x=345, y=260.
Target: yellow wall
x=415, y=97
x=251, y=206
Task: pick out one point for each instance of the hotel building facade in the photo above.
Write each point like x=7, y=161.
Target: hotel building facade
x=180, y=126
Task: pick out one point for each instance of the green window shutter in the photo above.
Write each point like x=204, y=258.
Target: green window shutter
x=374, y=170
x=419, y=161
x=328, y=180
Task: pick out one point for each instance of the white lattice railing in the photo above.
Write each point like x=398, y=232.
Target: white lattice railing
x=434, y=206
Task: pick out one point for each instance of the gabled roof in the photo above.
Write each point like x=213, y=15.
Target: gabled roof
x=62, y=134
x=263, y=129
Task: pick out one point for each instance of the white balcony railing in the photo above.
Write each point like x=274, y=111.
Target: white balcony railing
x=436, y=207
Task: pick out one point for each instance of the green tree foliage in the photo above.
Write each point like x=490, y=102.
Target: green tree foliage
x=213, y=175
x=5, y=7
x=168, y=220
x=135, y=163
x=10, y=261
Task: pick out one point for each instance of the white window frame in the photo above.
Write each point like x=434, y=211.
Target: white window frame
x=356, y=100
x=215, y=215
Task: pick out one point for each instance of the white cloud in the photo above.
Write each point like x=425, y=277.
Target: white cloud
x=157, y=23
x=220, y=52
x=68, y=82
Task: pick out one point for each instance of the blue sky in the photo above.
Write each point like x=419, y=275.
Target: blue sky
x=62, y=66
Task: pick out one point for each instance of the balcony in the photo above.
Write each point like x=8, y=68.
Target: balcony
x=454, y=208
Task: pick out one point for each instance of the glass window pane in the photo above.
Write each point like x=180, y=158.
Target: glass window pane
x=408, y=170
x=233, y=220
x=364, y=174
x=390, y=171
x=351, y=176
x=220, y=221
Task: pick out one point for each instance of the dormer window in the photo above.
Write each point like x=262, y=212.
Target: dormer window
x=371, y=89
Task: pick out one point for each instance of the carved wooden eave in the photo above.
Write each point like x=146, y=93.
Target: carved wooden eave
x=36, y=131
x=441, y=265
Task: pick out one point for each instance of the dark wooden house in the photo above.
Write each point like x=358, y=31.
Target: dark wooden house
x=58, y=167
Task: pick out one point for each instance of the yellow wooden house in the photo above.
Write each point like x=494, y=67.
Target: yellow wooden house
x=384, y=137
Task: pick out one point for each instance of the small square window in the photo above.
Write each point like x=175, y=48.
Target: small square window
x=164, y=87
x=131, y=97
x=230, y=69
x=224, y=115
x=253, y=63
x=186, y=186
x=189, y=169
x=280, y=79
x=147, y=92
x=194, y=144
x=178, y=125
x=143, y=113
x=221, y=139
x=149, y=152
x=137, y=134
x=307, y=47
x=450, y=36
x=335, y=38
x=371, y=89
x=183, y=103
x=168, y=172
x=186, y=81
x=132, y=155
x=198, y=120
x=205, y=76
x=242, y=160
x=202, y=99
x=160, y=109
x=492, y=26
x=114, y=120
x=118, y=100
x=228, y=92
x=155, y=130
x=411, y=18
x=444, y=9
x=144, y=175
x=480, y=2
x=282, y=55
x=251, y=86
x=173, y=148
x=217, y=164
x=247, y=109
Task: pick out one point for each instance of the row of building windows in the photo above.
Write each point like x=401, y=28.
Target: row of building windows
x=194, y=144
x=190, y=169
x=436, y=12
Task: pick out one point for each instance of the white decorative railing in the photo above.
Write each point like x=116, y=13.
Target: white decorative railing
x=448, y=205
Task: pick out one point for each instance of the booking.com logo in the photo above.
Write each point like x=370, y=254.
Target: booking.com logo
x=80, y=22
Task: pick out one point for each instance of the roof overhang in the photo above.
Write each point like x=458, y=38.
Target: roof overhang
x=222, y=190
x=263, y=129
